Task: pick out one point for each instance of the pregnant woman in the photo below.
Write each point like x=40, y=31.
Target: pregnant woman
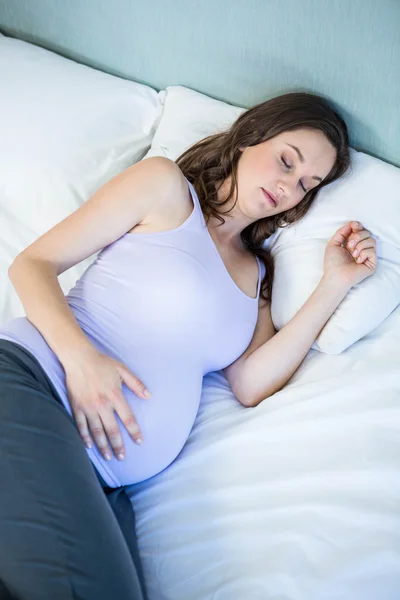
x=180, y=288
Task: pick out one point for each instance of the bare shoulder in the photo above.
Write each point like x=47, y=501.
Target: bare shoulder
x=161, y=164
x=167, y=174
x=171, y=202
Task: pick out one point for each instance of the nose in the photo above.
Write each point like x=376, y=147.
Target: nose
x=285, y=187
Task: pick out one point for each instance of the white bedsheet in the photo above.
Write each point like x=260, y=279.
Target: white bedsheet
x=298, y=498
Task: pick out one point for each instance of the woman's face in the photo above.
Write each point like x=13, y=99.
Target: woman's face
x=286, y=167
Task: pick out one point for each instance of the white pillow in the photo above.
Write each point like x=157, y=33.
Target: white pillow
x=368, y=193
x=66, y=129
x=188, y=117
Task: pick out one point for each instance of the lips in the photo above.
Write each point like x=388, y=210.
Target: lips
x=272, y=199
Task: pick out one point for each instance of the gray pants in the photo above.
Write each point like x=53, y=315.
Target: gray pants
x=61, y=537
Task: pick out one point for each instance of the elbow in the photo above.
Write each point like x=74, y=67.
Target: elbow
x=19, y=267
x=248, y=390
x=12, y=267
x=26, y=260
x=241, y=386
x=249, y=398
x=15, y=265
x=249, y=401
x=241, y=390
x=244, y=399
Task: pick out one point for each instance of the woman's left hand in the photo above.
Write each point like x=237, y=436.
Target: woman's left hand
x=350, y=255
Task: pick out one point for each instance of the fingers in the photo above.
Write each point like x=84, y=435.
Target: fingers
x=356, y=226
x=367, y=256
x=128, y=419
x=349, y=235
x=356, y=237
x=133, y=382
x=81, y=422
x=99, y=435
x=362, y=247
x=357, y=250
x=341, y=235
x=112, y=430
x=96, y=414
x=104, y=427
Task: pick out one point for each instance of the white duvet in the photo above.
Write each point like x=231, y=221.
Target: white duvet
x=296, y=499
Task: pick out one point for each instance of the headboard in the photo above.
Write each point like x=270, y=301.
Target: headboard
x=239, y=51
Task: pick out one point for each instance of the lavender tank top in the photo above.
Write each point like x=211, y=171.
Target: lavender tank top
x=165, y=305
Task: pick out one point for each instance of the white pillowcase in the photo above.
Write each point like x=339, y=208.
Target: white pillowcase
x=66, y=129
x=188, y=117
x=369, y=193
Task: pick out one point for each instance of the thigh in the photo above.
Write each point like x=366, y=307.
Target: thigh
x=59, y=537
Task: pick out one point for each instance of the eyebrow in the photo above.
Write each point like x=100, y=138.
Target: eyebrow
x=301, y=158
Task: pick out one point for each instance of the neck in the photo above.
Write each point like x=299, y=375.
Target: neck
x=228, y=232
x=235, y=221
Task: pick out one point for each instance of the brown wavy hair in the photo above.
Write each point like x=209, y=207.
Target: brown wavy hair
x=210, y=161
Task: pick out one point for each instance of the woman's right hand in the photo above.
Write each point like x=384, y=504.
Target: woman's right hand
x=94, y=387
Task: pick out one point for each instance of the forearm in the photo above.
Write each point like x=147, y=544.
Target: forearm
x=46, y=307
x=270, y=366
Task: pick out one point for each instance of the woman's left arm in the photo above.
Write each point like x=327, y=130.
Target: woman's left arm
x=272, y=358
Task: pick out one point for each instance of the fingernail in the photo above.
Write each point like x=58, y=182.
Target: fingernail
x=147, y=394
x=107, y=456
x=351, y=244
x=355, y=252
x=88, y=444
x=139, y=441
x=121, y=456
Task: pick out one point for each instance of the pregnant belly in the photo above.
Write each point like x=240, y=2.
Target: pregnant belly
x=165, y=421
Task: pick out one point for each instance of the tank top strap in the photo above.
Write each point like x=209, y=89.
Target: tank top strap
x=196, y=202
x=197, y=209
x=261, y=274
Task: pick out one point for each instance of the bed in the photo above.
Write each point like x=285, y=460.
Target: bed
x=298, y=498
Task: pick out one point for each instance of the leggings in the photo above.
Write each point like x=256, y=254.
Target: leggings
x=63, y=534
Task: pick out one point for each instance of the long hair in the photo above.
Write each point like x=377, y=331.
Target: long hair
x=210, y=161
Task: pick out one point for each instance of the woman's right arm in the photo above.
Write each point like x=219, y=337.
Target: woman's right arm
x=122, y=203
x=272, y=358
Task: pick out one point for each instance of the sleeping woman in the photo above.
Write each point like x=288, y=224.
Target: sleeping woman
x=100, y=388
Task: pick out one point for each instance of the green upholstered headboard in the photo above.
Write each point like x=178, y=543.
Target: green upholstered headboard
x=239, y=51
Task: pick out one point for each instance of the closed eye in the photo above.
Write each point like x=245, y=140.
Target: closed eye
x=289, y=167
